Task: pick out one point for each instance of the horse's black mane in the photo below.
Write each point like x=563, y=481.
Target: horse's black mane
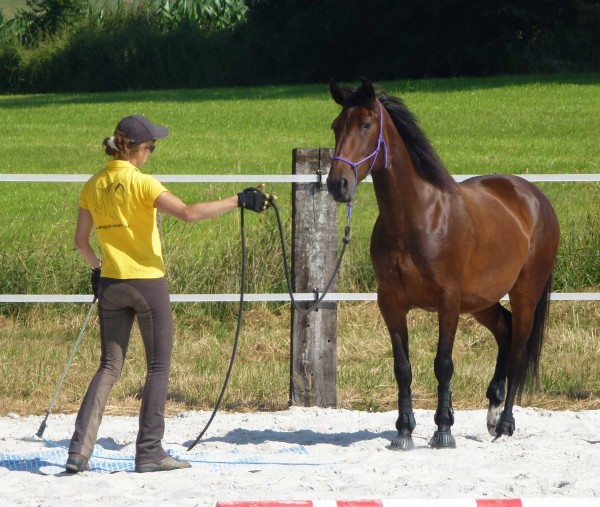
x=425, y=159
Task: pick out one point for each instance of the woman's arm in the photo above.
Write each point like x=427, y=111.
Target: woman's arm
x=85, y=223
x=172, y=205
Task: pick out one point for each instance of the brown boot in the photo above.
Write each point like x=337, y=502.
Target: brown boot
x=165, y=464
x=76, y=463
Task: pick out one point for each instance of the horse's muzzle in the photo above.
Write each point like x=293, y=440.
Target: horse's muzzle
x=339, y=188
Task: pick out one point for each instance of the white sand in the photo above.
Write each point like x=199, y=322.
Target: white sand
x=552, y=454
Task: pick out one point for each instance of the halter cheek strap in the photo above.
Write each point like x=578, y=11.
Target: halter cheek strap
x=380, y=142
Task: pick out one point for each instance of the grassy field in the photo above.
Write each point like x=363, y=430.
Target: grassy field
x=540, y=124
x=35, y=351
x=9, y=7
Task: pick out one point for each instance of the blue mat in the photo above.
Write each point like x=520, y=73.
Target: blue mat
x=52, y=461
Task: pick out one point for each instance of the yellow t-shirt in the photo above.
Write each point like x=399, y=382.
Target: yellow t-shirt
x=121, y=201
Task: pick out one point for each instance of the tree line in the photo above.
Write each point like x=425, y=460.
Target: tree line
x=70, y=45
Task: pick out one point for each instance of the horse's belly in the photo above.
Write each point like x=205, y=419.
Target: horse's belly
x=470, y=303
x=483, y=284
x=490, y=276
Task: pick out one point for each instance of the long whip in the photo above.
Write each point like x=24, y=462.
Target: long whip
x=42, y=428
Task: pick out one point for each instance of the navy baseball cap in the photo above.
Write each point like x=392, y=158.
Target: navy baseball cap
x=139, y=129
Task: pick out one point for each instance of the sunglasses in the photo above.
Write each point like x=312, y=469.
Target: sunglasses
x=151, y=148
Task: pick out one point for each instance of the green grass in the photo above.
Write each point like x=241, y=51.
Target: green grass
x=36, y=346
x=534, y=124
x=9, y=7
x=520, y=124
x=544, y=124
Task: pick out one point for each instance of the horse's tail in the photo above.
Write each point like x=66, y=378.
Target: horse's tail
x=536, y=339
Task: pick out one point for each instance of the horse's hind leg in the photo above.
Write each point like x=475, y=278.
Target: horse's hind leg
x=498, y=320
x=528, y=323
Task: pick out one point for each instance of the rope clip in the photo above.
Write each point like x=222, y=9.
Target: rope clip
x=316, y=297
x=321, y=185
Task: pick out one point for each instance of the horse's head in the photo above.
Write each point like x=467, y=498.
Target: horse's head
x=358, y=139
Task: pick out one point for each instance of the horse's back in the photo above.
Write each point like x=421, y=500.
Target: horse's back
x=505, y=186
x=519, y=196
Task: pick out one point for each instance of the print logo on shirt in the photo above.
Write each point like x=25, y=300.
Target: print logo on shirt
x=108, y=200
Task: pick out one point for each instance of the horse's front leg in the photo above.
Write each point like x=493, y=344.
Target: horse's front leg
x=405, y=424
x=444, y=368
x=395, y=320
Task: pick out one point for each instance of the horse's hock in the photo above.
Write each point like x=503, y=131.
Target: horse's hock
x=314, y=254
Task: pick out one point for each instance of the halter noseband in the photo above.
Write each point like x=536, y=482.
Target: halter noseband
x=380, y=142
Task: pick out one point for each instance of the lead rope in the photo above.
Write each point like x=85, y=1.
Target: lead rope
x=345, y=240
x=237, y=333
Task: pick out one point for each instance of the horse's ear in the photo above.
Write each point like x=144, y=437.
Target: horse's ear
x=337, y=94
x=366, y=89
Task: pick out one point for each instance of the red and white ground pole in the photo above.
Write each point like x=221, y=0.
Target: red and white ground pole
x=423, y=502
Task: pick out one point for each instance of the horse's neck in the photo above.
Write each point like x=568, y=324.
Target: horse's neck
x=403, y=196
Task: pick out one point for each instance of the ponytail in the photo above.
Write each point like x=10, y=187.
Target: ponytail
x=117, y=146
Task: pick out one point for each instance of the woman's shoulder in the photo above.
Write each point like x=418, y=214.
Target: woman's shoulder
x=148, y=185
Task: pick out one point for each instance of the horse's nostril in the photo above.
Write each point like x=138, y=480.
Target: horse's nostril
x=338, y=188
x=333, y=186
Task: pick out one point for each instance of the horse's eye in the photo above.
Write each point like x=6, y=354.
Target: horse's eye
x=367, y=125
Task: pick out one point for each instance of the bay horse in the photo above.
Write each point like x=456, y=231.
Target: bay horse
x=448, y=248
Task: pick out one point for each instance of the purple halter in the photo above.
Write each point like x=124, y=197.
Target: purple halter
x=380, y=142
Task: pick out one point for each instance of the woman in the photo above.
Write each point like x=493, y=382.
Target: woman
x=121, y=204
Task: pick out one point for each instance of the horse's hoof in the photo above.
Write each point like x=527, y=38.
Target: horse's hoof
x=442, y=440
x=402, y=443
x=505, y=426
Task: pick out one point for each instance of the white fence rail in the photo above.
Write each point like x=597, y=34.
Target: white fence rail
x=257, y=178
x=255, y=298
x=266, y=178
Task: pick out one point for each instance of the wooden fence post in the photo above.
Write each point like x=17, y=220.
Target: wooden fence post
x=313, y=360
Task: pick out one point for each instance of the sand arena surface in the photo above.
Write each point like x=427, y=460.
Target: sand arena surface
x=313, y=453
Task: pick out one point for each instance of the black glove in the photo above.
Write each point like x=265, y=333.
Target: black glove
x=255, y=200
x=96, y=280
